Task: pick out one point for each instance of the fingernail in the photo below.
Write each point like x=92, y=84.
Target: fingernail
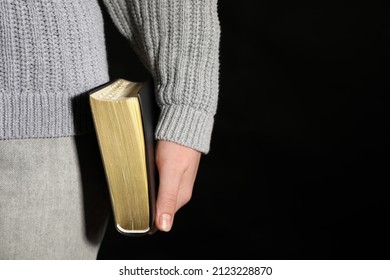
x=166, y=222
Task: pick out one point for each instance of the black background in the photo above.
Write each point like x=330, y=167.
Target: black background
x=298, y=166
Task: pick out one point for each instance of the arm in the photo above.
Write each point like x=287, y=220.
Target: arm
x=178, y=41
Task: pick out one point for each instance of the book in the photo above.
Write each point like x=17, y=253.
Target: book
x=124, y=116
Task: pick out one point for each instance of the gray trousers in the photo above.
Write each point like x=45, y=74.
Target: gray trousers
x=53, y=198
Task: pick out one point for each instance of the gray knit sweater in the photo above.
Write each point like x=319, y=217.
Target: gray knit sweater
x=53, y=51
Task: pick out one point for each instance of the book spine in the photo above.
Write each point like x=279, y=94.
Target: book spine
x=149, y=111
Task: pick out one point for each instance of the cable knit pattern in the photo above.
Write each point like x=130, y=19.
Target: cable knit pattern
x=178, y=41
x=53, y=51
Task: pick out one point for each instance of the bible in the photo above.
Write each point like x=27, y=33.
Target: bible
x=124, y=116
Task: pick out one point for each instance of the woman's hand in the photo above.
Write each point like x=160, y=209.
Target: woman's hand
x=177, y=168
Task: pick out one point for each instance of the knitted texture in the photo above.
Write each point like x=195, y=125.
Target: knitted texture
x=178, y=41
x=51, y=52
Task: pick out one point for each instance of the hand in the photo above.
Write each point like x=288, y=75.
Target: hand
x=177, y=168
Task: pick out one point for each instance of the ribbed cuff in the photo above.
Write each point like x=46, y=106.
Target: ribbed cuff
x=186, y=126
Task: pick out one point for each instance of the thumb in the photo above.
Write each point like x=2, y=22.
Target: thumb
x=166, y=197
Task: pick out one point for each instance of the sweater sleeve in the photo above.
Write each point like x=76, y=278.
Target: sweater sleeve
x=178, y=41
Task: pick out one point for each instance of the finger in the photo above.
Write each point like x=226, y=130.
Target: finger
x=167, y=196
x=187, y=183
x=186, y=188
